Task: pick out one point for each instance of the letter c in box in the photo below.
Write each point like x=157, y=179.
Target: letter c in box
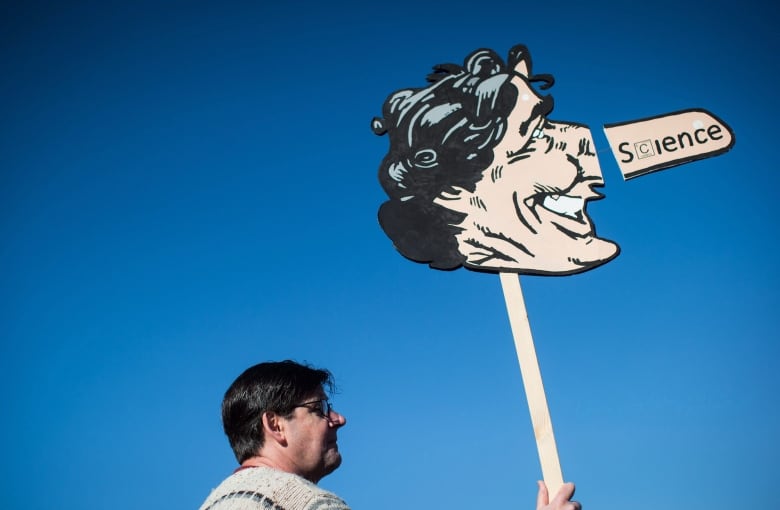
x=644, y=149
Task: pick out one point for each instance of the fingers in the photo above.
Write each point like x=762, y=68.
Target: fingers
x=564, y=493
x=542, y=498
x=562, y=500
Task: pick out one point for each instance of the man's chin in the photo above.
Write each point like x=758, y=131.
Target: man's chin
x=333, y=464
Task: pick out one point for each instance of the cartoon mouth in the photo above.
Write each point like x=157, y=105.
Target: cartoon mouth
x=566, y=212
x=565, y=205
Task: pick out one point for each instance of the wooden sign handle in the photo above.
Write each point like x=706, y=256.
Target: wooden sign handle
x=532, y=382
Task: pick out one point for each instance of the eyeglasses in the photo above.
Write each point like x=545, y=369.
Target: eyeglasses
x=322, y=407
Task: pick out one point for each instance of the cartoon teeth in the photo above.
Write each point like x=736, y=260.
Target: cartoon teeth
x=564, y=204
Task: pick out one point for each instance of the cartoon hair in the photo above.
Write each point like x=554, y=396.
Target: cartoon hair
x=441, y=138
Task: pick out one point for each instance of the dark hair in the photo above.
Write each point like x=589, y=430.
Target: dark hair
x=266, y=387
x=442, y=136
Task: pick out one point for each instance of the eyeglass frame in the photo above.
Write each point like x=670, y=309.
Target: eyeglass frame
x=324, y=411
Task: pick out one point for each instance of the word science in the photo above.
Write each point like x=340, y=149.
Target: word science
x=656, y=143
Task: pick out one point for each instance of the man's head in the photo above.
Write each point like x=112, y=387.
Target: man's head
x=478, y=176
x=279, y=410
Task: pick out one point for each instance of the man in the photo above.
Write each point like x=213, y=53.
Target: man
x=283, y=432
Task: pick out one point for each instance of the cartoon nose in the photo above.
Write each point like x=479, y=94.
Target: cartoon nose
x=579, y=145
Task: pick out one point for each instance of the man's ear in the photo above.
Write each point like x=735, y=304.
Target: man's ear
x=273, y=427
x=455, y=198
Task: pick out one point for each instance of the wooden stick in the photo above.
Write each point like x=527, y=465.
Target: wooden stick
x=532, y=382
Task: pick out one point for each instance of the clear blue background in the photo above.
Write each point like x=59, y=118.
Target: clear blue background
x=188, y=188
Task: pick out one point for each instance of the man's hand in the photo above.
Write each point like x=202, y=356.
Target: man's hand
x=561, y=501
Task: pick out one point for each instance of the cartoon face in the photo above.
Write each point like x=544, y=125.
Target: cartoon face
x=478, y=176
x=528, y=211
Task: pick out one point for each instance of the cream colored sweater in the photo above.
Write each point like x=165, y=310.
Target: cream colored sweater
x=269, y=489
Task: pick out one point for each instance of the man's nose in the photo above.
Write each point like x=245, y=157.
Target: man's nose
x=336, y=419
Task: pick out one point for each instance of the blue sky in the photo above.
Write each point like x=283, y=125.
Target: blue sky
x=187, y=189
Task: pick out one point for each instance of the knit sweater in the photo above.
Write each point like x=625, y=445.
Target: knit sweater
x=262, y=488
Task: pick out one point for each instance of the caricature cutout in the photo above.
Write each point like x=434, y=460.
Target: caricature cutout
x=478, y=176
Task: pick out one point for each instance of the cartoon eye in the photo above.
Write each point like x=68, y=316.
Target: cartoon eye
x=425, y=158
x=539, y=131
